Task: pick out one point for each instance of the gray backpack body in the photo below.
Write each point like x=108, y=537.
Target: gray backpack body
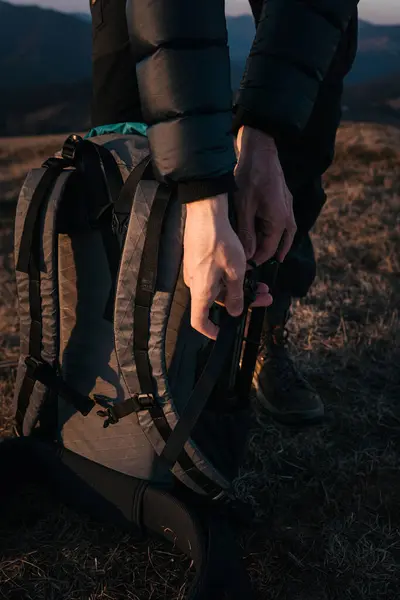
x=110, y=367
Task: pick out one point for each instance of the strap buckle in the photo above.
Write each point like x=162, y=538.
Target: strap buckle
x=145, y=401
x=109, y=416
x=113, y=414
x=70, y=147
x=34, y=365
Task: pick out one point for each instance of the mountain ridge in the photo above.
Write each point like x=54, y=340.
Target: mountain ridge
x=40, y=46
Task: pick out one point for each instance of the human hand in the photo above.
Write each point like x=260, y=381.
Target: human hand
x=214, y=263
x=264, y=205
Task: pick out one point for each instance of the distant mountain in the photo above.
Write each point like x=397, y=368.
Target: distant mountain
x=83, y=16
x=45, y=109
x=376, y=101
x=40, y=46
x=241, y=32
x=378, y=52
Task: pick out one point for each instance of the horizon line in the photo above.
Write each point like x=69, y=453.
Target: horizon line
x=228, y=14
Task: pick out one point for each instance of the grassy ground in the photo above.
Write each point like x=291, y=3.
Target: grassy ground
x=326, y=500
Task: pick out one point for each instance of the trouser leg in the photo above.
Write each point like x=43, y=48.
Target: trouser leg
x=306, y=159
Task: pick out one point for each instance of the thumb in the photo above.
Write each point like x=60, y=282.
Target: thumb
x=234, y=293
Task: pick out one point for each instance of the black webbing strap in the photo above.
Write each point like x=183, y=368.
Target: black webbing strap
x=268, y=274
x=209, y=377
x=41, y=193
x=253, y=339
x=146, y=287
x=202, y=390
x=29, y=262
x=112, y=414
x=42, y=371
x=143, y=170
x=103, y=182
x=112, y=172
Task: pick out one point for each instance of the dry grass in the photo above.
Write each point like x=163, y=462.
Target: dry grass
x=326, y=517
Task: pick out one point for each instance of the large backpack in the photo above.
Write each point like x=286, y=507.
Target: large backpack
x=110, y=368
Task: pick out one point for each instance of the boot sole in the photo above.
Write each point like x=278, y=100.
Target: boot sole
x=296, y=419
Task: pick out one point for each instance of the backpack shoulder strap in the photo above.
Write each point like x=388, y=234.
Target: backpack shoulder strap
x=103, y=182
x=52, y=170
x=173, y=449
x=28, y=263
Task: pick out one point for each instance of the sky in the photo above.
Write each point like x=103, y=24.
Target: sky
x=376, y=11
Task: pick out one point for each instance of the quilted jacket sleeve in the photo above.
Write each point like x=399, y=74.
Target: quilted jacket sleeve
x=295, y=43
x=183, y=72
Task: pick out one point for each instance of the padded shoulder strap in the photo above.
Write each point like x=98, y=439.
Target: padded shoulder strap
x=103, y=182
x=41, y=193
x=204, y=536
x=28, y=262
x=175, y=439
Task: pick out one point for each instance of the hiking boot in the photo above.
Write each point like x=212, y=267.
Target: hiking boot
x=280, y=388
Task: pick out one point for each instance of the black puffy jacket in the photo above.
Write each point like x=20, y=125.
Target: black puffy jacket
x=183, y=72
x=295, y=43
x=182, y=64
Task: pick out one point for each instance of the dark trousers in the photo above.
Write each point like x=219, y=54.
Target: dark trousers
x=304, y=160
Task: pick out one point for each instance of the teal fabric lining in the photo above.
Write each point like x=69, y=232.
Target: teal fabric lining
x=121, y=128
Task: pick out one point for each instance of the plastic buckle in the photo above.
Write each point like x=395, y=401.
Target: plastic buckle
x=33, y=365
x=109, y=416
x=145, y=401
x=70, y=147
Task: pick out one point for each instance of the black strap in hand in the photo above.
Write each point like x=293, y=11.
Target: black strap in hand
x=202, y=391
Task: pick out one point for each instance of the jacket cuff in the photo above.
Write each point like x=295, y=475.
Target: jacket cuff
x=280, y=130
x=192, y=191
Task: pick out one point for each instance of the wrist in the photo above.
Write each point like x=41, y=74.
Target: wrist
x=249, y=136
x=213, y=207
